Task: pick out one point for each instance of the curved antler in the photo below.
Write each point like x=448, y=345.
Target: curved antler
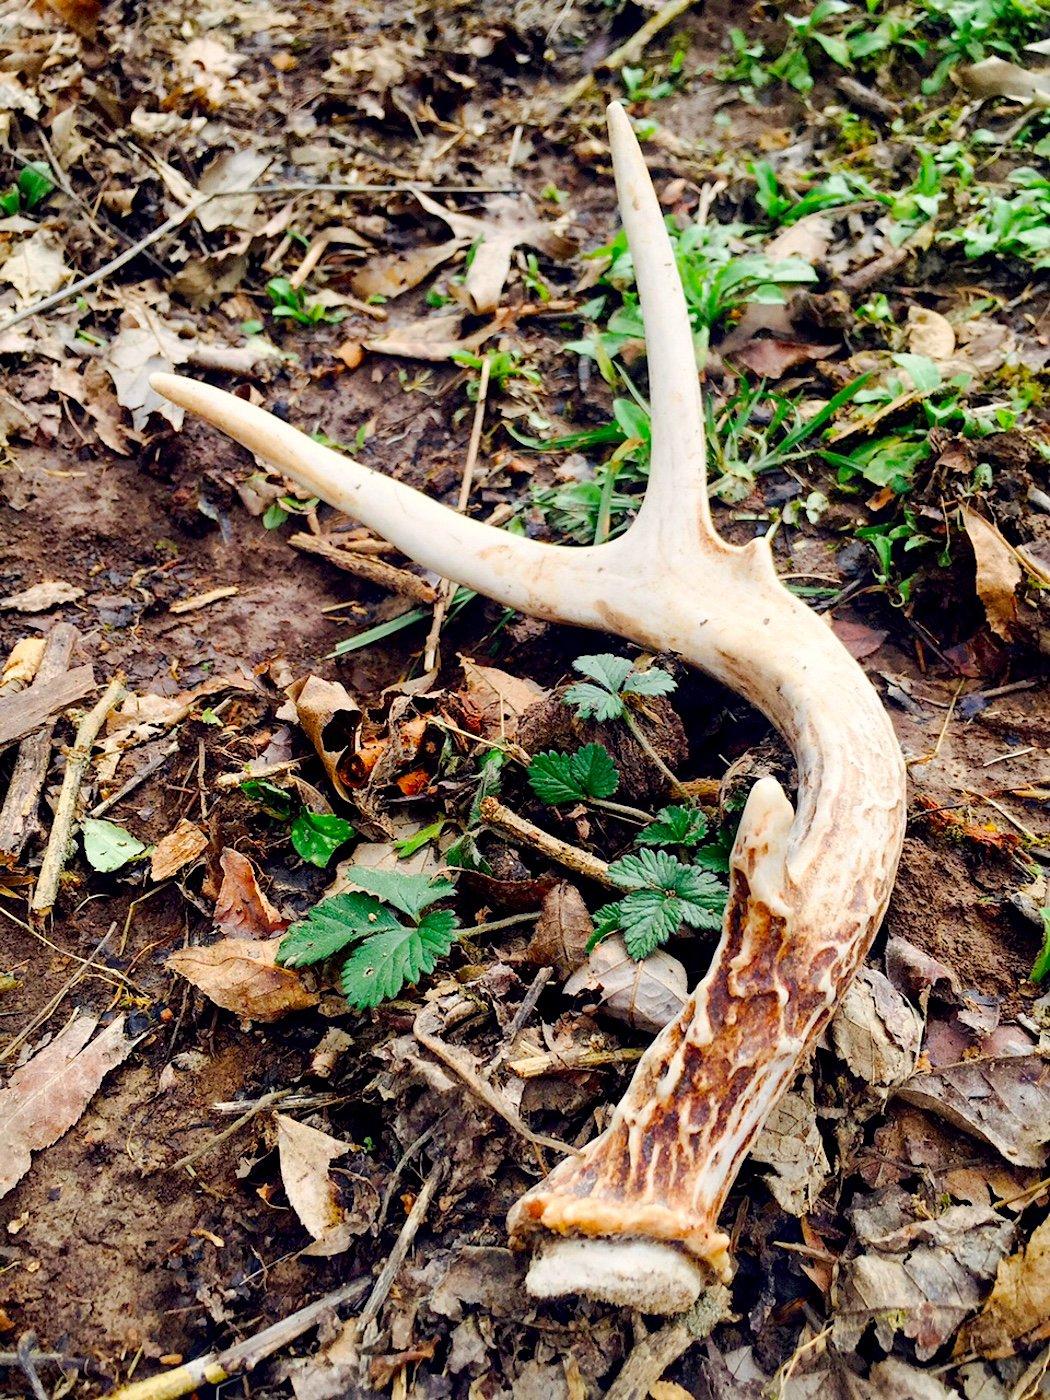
x=634, y=1217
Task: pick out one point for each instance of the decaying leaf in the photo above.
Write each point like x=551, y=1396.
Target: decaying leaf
x=390, y=277
x=306, y=1155
x=241, y=908
x=182, y=845
x=999, y=573
x=919, y=1277
x=770, y=357
x=22, y=664
x=808, y=238
x=41, y=597
x=134, y=354
x=791, y=1144
x=508, y=222
x=995, y=77
x=331, y=720
x=562, y=931
x=498, y=699
x=1018, y=1311
x=930, y=334
x=996, y=1087
x=876, y=1032
x=228, y=172
x=45, y=1096
x=645, y=994
x=35, y=267
x=434, y=338
x=858, y=639
x=241, y=975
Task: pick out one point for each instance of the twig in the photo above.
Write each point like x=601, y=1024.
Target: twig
x=628, y=52
x=652, y=1356
x=866, y=98
x=19, y=816
x=243, y=775
x=367, y=567
x=27, y=1361
x=219, y=1366
x=77, y=760
x=136, y=780
x=430, y=650
x=522, y=1014
x=503, y=819
x=402, y=1245
x=267, y=1101
x=21, y=714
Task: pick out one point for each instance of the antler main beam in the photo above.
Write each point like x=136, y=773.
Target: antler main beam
x=634, y=1217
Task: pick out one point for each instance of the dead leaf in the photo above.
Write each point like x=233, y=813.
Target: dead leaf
x=22, y=663
x=999, y=573
x=41, y=597
x=876, y=1032
x=331, y=719
x=392, y=276
x=45, y=1096
x=1017, y=1314
x=433, y=338
x=305, y=1155
x=917, y=1276
x=35, y=267
x=241, y=975
x=791, y=1144
x=995, y=77
x=930, y=334
x=860, y=641
x=182, y=845
x=996, y=1087
x=508, y=222
x=137, y=352
x=562, y=931
x=646, y=995
x=230, y=171
x=81, y=15
x=241, y=907
x=807, y=239
x=770, y=357
x=498, y=699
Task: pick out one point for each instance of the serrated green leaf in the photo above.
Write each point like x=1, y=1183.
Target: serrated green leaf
x=594, y=770
x=648, y=918
x=317, y=836
x=331, y=925
x=409, y=893
x=561, y=777
x=606, y=921
x=609, y=671
x=592, y=702
x=386, y=962
x=675, y=826
x=647, y=870
x=652, y=681
x=108, y=846
x=703, y=898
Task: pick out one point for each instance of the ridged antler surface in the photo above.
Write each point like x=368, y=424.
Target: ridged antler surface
x=634, y=1217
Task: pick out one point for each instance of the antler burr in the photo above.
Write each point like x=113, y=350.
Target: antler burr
x=633, y=1218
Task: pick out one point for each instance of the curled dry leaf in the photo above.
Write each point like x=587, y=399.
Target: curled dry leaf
x=999, y=573
x=646, y=995
x=241, y=975
x=41, y=597
x=306, y=1155
x=182, y=845
x=497, y=698
x=35, y=267
x=562, y=931
x=22, y=663
x=791, y=1144
x=1018, y=1311
x=807, y=239
x=876, y=1032
x=390, y=277
x=45, y=1096
x=331, y=719
x=434, y=338
x=930, y=333
x=770, y=357
x=241, y=907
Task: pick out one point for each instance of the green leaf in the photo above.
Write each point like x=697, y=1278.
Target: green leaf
x=561, y=777
x=274, y=801
x=409, y=845
x=389, y=960
x=923, y=372
x=331, y=925
x=648, y=870
x=274, y=516
x=108, y=846
x=1041, y=966
x=675, y=826
x=34, y=184
x=648, y=918
x=591, y=701
x=609, y=671
x=317, y=836
x=409, y=893
x=674, y=893
x=652, y=681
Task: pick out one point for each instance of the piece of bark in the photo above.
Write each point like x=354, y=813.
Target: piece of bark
x=366, y=567
x=19, y=817
x=22, y=714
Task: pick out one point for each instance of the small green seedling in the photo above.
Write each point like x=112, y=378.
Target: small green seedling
x=573, y=777
x=1041, y=966
x=290, y=302
x=612, y=680
x=32, y=187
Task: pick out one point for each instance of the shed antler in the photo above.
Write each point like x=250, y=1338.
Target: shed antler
x=633, y=1218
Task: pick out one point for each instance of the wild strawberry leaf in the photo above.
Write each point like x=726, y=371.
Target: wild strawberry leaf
x=331, y=925
x=649, y=918
x=675, y=826
x=651, y=681
x=562, y=777
x=409, y=893
x=398, y=956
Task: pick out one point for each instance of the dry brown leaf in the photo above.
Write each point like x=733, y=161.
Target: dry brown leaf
x=45, y=1096
x=770, y=357
x=22, y=663
x=241, y=975
x=134, y=354
x=498, y=698
x=930, y=333
x=876, y=1032
x=230, y=171
x=508, y=222
x=791, y=1144
x=41, y=597
x=1018, y=1311
x=391, y=276
x=331, y=720
x=995, y=77
x=182, y=845
x=242, y=908
x=433, y=338
x=859, y=640
x=35, y=267
x=999, y=573
x=807, y=239
x=305, y=1156
x=562, y=931
x=646, y=995
x=81, y=15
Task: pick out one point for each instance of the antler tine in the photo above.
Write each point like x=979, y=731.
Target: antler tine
x=676, y=497
x=540, y=579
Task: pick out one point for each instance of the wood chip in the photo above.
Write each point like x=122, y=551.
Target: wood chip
x=21, y=714
x=204, y=600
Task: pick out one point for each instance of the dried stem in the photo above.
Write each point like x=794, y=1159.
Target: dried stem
x=367, y=567
x=519, y=829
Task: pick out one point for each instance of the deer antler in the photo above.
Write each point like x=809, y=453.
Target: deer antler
x=633, y=1218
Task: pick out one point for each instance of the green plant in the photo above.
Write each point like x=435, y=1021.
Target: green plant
x=1041, y=966
x=1015, y=225
x=782, y=206
x=504, y=365
x=573, y=777
x=613, y=679
x=396, y=935
x=745, y=66
x=290, y=302
x=317, y=836
x=662, y=895
x=32, y=186
x=890, y=539
x=643, y=86
x=792, y=66
x=687, y=828
x=972, y=30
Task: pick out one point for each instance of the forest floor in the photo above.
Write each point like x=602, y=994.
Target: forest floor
x=200, y=1141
